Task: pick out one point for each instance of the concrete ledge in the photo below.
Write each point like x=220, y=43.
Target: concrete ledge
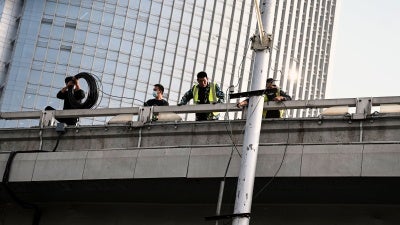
x=212, y=162
x=114, y=164
x=59, y=166
x=23, y=167
x=3, y=162
x=381, y=160
x=162, y=163
x=331, y=160
x=377, y=160
x=270, y=157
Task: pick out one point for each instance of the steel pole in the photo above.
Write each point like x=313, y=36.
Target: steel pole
x=244, y=190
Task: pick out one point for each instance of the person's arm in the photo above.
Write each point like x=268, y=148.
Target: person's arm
x=165, y=103
x=76, y=83
x=186, y=97
x=286, y=96
x=220, y=94
x=243, y=103
x=62, y=94
x=282, y=97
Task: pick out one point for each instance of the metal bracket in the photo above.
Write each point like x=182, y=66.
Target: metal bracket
x=48, y=119
x=363, y=108
x=260, y=45
x=145, y=114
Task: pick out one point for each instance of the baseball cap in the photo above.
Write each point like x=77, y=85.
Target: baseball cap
x=270, y=80
x=68, y=79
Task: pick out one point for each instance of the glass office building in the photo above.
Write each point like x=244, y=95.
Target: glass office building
x=130, y=45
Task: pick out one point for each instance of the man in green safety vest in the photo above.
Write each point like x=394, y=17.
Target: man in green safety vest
x=205, y=92
x=272, y=93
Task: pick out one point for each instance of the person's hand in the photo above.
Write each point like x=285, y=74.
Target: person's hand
x=279, y=98
x=241, y=104
x=76, y=83
x=70, y=83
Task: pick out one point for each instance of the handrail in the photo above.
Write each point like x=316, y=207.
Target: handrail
x=231, y=107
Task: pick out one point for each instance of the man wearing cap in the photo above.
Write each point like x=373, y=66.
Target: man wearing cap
x=205, y=92
x=79, y=94
x=272, y=93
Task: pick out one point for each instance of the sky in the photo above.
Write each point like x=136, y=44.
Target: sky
x=365, y=57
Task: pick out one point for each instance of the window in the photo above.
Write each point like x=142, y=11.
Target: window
x=119, y=21
x=126, y=46
x=51, y=55
x=63, y=57
x=50, y=8
x=121, y=69
x=98, y=64
x=68, y=34
x=45, y=29
x=115, y=44
x=110, y=67
x=56, y=32
x=40, y=53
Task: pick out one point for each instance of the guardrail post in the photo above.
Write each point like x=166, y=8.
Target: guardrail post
x=144, y=114
x=47, y=118
x=363, y=108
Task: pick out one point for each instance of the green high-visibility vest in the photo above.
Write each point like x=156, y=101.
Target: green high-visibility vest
x=278, y=93
x=212, y=95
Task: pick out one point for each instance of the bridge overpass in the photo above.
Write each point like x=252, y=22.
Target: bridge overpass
x=340, y=168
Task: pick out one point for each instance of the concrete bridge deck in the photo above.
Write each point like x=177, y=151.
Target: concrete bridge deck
x=339, y=162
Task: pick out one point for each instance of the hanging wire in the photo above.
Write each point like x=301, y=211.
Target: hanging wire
x=281, y=163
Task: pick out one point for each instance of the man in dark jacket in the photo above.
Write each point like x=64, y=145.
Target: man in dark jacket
x=79, y=94
x=158, y=99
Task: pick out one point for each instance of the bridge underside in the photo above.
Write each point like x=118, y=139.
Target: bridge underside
x=281, y=190
x=169, y=173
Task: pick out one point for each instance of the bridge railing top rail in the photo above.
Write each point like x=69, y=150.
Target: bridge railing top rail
x=363, y=108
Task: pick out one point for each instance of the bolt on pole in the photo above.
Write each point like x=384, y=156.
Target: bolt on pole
x=244, y=191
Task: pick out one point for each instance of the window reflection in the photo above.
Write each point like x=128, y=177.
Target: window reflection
x=98, y=64
x=121, y=69
x=57, y=32
x=40, y=53
x=141, y=27
x=144, y=75
x=145, y=5
x=110, y=67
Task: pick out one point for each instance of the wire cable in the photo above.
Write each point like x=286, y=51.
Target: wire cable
x=241, y=63
x=6, y=176
x=281, y=163
x=230, y=130
x=110, y=95
x=58, y=141
x=92, y=93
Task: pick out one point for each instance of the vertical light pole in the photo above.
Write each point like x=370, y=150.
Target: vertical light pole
x=261, y=46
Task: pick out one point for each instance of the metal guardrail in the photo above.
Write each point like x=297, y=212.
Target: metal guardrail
x=363, y=108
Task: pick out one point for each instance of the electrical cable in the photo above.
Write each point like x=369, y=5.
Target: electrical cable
x=110, y=95
x=281, y=163
x=6, y=176
x=58, y=140
x=92, y=93
x=230, y=130
x=241, y=63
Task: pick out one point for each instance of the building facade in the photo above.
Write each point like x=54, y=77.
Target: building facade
x=130, y=45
